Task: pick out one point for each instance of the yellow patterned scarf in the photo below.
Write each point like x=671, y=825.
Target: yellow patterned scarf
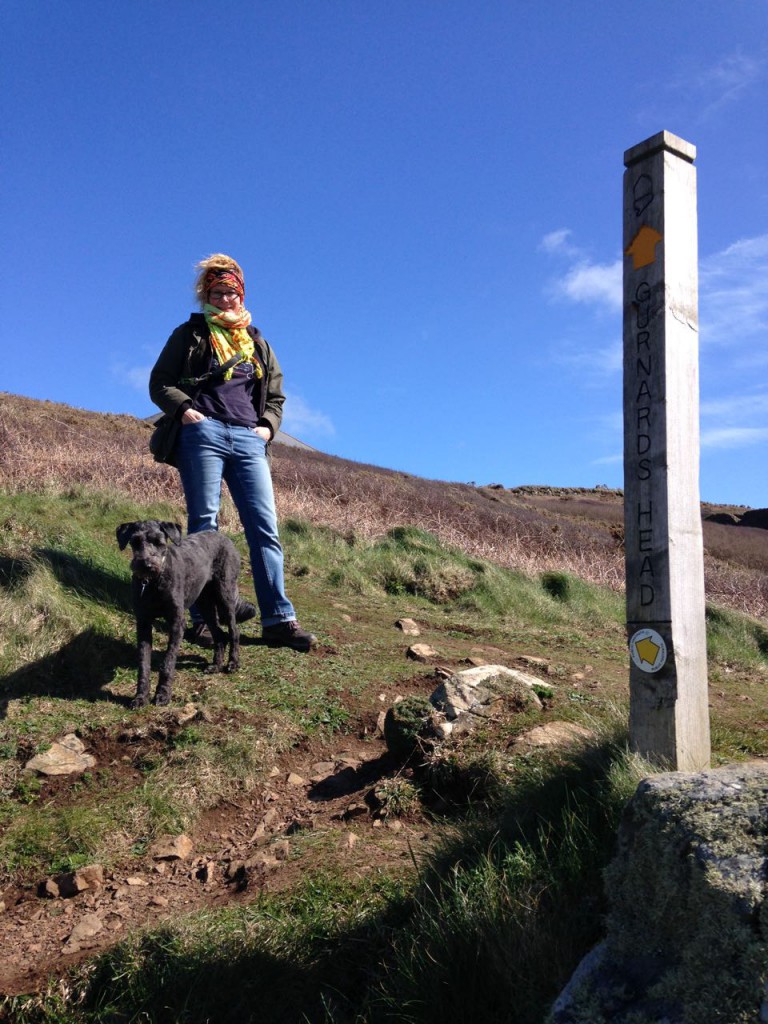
x=230, y=337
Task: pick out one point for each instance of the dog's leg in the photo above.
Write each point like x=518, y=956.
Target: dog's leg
x=168, y=666
x=226, y=595
x=228, y=613
x=144, y=647
x=206, y=605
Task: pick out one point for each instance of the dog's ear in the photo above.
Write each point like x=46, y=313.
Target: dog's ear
x=172, y=531
x=124, y=533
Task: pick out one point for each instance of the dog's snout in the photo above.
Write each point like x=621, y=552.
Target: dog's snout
x=141, y=565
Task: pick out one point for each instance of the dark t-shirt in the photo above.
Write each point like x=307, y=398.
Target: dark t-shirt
x=230, y=401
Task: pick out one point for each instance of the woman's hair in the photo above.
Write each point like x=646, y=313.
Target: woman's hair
x=216, y=261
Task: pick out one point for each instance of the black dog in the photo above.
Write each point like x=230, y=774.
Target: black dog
x=170, y=574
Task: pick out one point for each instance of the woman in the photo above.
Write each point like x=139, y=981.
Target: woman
x=221, y=379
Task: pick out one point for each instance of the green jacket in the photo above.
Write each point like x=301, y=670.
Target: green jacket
x=187, y=353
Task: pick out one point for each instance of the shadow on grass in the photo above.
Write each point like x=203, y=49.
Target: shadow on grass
x=96, y=584
x=496, y=925
x=316, y=975
x=83, y=669
x=13, y=571
x=80, y=670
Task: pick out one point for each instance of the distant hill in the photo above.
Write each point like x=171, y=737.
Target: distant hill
x=529, y=528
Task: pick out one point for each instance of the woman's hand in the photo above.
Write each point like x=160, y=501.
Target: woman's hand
x=191, y=416
x=264, y=433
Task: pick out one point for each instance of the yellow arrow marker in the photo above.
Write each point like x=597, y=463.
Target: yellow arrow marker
x=648, y=650
x=642, y=248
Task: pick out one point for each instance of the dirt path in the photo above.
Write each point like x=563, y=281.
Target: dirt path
x=238, y=850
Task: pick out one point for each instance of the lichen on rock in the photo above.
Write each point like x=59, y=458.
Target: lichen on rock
x=687, y=932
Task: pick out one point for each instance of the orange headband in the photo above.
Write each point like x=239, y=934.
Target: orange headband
x=228, y=277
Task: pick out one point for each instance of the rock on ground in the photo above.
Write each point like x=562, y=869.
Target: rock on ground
x=64, y=757
x=687, y=933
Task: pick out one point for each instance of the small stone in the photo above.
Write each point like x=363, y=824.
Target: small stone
x=158, y=901
x=234, y=868
x=355, y=811
x=533, y=661
x=172, y=848
x=85, y=929
x=64, y=757
x=351, y=840
x=421, y=652
x=553, y=734
x=91, y=875
x=74, y=882
x=258, y=833
x=263, y=862
x=295, y=780
x=185, y=715
x=408, y=627
x=207, y=872
x=394, y=826
x=273, y=772
x=135, y=880
x=323, y=768
x=50, y=889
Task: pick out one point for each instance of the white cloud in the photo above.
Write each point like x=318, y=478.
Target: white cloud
x=584, y=281
x=733, y=289
x=739, y=406
x=594, y=284
x=725, y=82
x=733, y=437
x=733, y=293
x=136, y=377
x=593, y=362
x=696, y=95
x=301, y=421
x=557, y=242
x=735, y=421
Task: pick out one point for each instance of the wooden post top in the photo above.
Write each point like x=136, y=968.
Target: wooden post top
x=661, y=141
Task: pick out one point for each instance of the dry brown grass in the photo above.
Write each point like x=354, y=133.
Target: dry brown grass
x=50, y=447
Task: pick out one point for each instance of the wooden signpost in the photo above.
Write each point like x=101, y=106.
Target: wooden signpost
x=669, y=717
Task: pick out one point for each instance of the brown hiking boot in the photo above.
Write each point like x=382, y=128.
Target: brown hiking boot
x=288, y=634
x=198, y=633
x=244, y=610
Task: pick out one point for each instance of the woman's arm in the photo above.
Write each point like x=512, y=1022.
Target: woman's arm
x=164, y=389
x=272, y=416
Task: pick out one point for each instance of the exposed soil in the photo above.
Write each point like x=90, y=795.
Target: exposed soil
x=239, y=849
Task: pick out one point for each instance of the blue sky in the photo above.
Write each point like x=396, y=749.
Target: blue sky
x=425, y=196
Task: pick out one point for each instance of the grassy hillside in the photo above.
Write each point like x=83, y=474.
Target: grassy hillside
x=329, y=880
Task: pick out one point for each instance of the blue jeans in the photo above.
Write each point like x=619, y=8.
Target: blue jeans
x=209, y=452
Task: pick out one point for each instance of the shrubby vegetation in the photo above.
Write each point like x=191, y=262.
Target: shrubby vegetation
x=491, y=922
